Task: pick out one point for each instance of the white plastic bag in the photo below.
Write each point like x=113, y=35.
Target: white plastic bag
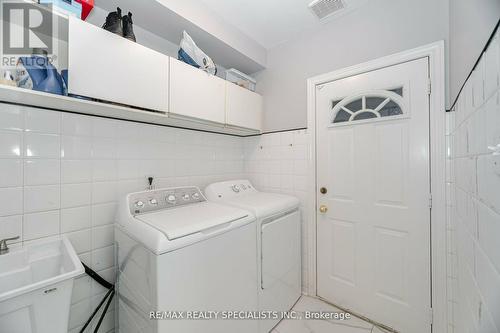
x=193, y=55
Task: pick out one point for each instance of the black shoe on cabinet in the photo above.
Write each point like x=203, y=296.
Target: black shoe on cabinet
x=128, y=28
x=114, y=22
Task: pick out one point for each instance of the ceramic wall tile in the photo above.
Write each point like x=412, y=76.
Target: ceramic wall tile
x=474, y=201
x=11, y=144
x=11, y=173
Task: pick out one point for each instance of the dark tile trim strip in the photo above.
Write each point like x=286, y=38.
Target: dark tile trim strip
x=475, y=65
x=279, y=131
x=132, y=121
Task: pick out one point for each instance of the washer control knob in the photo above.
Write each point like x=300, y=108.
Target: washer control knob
x=171, y=198
x=185, y=197
x=139, y=204
x=235, y=188
x=153, y=202
x=196, y=196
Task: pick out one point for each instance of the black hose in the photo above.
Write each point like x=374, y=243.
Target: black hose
x=97, y=277
x=104, y=311
x=109, y=296
x=96, y=310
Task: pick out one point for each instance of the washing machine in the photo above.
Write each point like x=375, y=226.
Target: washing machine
x=278, y=243
x=182, y=260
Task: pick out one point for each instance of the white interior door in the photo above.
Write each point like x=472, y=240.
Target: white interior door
x=373, y=160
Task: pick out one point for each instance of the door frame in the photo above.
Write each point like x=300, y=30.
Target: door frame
x=437, y=131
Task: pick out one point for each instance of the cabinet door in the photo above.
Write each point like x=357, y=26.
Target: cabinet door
x=195, y=93
x=243, y=107
x=109, y=67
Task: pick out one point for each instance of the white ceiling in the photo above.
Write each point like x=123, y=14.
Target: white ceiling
x=271, y=22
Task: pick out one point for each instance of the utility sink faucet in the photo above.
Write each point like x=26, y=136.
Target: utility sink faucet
x=4, y=249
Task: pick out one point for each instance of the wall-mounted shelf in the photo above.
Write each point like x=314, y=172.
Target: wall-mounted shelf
x=43, y=100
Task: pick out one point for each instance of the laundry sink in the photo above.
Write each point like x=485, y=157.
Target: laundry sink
x=36, y=282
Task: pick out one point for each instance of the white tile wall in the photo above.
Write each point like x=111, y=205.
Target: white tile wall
x=473, y=181
x=282, y=162
x=62, y=173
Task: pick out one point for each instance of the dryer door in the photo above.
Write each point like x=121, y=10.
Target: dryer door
x=281, y=262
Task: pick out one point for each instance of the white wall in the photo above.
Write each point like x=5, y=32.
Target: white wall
x=473, y=183
x=471, y=24
x=282, y=163
x=204, y=17
x=381, y=27
x=62, y=173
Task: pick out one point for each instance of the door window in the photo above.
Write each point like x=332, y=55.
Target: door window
x=369, y=105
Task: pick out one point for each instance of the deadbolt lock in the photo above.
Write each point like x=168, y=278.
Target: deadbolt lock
x=323, y=209
x=323, y=190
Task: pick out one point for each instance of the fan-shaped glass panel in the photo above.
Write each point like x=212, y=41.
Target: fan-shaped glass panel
x=364, y=115
x=390, y=109
x=398, y=91
x=355, y=105
x=374, y=104
x=342, y=116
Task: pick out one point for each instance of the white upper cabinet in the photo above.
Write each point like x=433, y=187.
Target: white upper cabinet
x=114, y=70
x=243, y=107
x=109, y=67
x=195, y=93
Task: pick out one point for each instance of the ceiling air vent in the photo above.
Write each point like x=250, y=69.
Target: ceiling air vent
x=325, y=8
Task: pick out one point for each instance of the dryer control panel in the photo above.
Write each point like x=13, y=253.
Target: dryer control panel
x=150, y=201
x=229, y=189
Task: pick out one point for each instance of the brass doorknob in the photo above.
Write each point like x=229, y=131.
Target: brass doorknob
x=323, y=209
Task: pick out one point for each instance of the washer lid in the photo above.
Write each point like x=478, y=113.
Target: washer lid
x=264, y=204
x=183, y=221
